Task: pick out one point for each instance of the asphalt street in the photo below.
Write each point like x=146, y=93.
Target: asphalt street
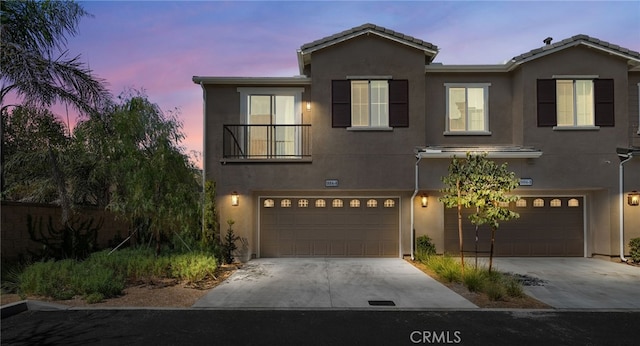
x=320, y=327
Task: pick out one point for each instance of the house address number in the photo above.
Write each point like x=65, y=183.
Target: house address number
x=331, y=183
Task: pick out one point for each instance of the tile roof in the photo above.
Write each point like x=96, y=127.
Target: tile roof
x=574, y=40
x=341, y=36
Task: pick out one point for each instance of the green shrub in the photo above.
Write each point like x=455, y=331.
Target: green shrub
x=193, y=267
x=445, y=266
x=51, y=279
x=513, y=287
x=634, y=245
x=474, y=279
x=424, y=247
x=494, y=290
x=94, y=298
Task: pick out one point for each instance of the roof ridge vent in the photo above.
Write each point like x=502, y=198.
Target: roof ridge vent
x=547, y=40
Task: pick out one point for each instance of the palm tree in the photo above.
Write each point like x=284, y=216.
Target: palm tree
x=33, y=58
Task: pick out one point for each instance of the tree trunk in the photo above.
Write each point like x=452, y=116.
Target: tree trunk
x=58, y=177
x=493, y=237
x=460, y=225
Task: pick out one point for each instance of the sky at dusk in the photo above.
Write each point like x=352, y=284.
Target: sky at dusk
x=159, y=46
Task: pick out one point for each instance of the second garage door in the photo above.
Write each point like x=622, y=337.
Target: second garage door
x=329, y=227
x=547, y=226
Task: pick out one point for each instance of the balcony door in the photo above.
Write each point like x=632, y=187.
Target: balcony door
x=273, y=116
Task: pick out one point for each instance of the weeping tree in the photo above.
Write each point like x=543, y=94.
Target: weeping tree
x=153, y=179
x=479, y=183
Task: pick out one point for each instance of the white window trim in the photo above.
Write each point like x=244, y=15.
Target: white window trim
x=576, y=128
x=485, y=86
x=246, y=92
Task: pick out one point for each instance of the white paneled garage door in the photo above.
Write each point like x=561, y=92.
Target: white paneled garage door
x=329, y=227
x=547, y=226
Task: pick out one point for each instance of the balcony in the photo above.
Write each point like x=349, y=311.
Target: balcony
x=266, y=142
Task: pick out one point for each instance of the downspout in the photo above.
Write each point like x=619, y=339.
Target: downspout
x=621, y=183
x=204, y=152
x=415, y=193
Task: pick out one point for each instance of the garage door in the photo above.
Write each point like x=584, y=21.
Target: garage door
x=329, y=227
x=547, y=226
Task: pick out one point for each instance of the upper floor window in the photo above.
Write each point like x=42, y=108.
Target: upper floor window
x=467, y=108
x=568, y=102
x=370, y=103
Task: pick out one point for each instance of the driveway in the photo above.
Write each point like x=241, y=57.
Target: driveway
x=297, y=283
x=578, y=283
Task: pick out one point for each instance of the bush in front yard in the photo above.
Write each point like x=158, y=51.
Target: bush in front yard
x=634, y=245
x=424, y=247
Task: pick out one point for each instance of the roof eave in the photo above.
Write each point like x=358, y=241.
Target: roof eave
x=211, y=80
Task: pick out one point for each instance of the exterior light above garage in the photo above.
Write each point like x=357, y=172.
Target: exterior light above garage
x=424, y=200
x=633, y=198
x=235, y=199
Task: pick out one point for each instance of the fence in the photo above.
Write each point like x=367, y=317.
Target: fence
x=15, y=240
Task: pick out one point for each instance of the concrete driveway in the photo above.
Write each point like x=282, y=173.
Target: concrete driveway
x=578, y=283
x=338, y=283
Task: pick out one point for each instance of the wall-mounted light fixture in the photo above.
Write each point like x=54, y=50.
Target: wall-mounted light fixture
x=235, y=199
x=308, y=105
x=424, y=200
x=633, y=198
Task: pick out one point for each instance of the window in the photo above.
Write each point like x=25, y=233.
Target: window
x=538, y=202
x=303, y=203
x=389, y=203
x=573, y=103
x=503, y=204
x=285, y=203
x=555, y=203
x=269, y=203
x=467, y=108
x=271, y=122
x=521, y=203
x=337, y=203
x=572, y=203
x=354, y=203
x=372, y=203
x=370, y=103
x=320, y=203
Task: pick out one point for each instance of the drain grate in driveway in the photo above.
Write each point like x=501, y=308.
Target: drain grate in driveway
x=382, y=303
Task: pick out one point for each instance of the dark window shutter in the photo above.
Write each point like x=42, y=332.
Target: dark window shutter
x=546, y=93
x=603, y=95
x=399, y=103
x=340, y=103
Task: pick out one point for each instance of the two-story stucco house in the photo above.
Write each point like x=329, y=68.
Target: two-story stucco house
x=346, y=159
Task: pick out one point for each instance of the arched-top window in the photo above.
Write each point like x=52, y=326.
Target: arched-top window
x=285, y=203
x=372, y=203
x=320, y=203
x=354, y=203
x=389, y=203
x=503, y=204
x=303, y=203
x=538, y=202
x=555, y=203
x=337, y=203
x=573, y=203
x=269, y=203
x=521, y=203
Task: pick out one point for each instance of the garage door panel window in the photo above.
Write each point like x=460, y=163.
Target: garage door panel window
x=372, y=203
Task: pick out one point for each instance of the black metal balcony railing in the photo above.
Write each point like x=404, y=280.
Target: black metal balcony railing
x=259, y=142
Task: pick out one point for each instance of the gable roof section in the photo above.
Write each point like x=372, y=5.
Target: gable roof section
x=304, y=53
x=632, y=56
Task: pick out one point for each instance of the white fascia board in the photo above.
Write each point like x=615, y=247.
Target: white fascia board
x=465, y=68
x=434, y=154
x=253, y=80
